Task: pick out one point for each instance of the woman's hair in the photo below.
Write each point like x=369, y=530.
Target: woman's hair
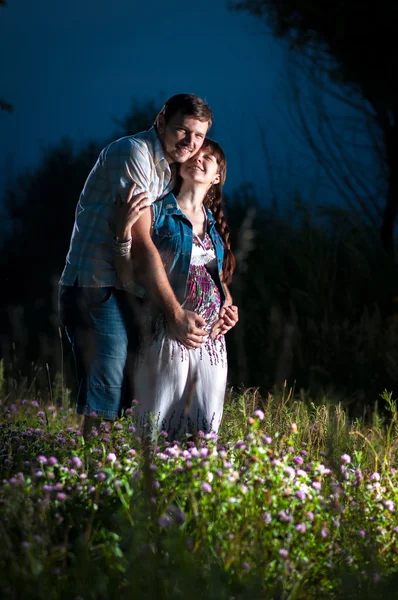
x=189, y=105
x=214, y=201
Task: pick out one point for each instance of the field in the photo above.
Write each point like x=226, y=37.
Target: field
x=293, y=500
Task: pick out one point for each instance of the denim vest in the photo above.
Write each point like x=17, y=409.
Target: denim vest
x=173, y=237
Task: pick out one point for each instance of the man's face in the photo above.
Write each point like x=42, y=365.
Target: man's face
x=181, y=137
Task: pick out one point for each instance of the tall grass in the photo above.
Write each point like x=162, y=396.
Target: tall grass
x=294, y=500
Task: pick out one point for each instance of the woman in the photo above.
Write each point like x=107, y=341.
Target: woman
x=182, y=390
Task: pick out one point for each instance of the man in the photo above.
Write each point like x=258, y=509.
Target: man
x=93, y=308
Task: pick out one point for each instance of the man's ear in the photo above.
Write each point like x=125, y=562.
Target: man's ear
x=160, y=124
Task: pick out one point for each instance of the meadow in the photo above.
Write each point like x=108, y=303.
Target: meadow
x=294, y=500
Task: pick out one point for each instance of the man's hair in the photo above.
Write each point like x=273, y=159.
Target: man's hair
x=189, y=105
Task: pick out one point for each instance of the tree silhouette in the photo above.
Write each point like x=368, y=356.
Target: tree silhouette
x=39, y=211
x=356, y=45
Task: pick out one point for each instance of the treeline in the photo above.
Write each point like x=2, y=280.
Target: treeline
x=315, y=291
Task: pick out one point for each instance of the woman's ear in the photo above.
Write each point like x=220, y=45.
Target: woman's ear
x=216, y=179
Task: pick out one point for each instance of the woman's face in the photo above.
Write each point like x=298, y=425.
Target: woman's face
x=201, y=168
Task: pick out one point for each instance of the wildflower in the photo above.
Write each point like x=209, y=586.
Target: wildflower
x=164, y=434
x=362, y=533
x=246, y=566
x=76, y=462
x=128, y=411
x=375, y=477
x=290, y=472
x=298, y=460
x=310, y=515
x=259, y=414
x=41, y=414
x=267, y=518
x=61, y=496
x=42, y=459
x=389, y=504
x=165, y=521
x=131, y=428
x=301, y=528
x=293, y=428
x=117, y=483
x=240, y=445
x=300, y=495
x=317, y=485
x=118, y=426
x=204, y=452
x=39, y=473
x=34, y=403
x=232, y=477
x=324, y=532
x=283, y=553
x=111, y=457
x=206, y=487
x=345, y=458
x=284, y=516
x=266, y=439
x=52, y=461
x=210, y=476
x=301, y=473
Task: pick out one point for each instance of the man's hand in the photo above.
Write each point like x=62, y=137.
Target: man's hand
x=228, y=318
x=186, y=328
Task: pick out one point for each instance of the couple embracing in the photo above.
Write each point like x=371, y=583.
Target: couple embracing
x=143, y=295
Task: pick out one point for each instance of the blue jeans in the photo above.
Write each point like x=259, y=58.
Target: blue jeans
x=101, y=326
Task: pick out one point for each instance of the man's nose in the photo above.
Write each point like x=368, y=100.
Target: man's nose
x=189, y=137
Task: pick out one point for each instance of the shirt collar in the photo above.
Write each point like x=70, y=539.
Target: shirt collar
x=156, y=146
x=171, y=208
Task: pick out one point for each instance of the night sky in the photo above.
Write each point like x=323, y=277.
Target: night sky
x=71, y=69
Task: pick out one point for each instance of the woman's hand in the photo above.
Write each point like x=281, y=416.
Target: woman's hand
x=228, y=318
x=128, y=213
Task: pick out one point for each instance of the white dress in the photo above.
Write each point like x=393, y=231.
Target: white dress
x=179, y=390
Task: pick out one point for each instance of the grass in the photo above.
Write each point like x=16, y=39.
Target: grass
x=294, y=500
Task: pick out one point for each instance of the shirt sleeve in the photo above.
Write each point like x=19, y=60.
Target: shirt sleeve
x=126, y=163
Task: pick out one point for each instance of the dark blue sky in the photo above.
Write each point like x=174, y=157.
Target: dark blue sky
x=71, y=68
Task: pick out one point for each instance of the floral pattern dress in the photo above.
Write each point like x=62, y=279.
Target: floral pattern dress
x=179, y=390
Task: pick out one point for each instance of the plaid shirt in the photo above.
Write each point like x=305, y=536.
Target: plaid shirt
x=132, y=159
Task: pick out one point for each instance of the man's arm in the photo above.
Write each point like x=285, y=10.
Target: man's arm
x=184, y=325
x=127, y=166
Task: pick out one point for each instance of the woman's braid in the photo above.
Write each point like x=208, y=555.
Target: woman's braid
x=213, y=201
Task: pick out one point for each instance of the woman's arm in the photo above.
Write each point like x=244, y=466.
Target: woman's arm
x=228, y=318
x=127, y=214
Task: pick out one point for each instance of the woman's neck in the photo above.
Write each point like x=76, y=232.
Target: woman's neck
x=190, y=197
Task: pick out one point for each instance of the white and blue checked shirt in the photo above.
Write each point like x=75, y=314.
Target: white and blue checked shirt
x=132, y=159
